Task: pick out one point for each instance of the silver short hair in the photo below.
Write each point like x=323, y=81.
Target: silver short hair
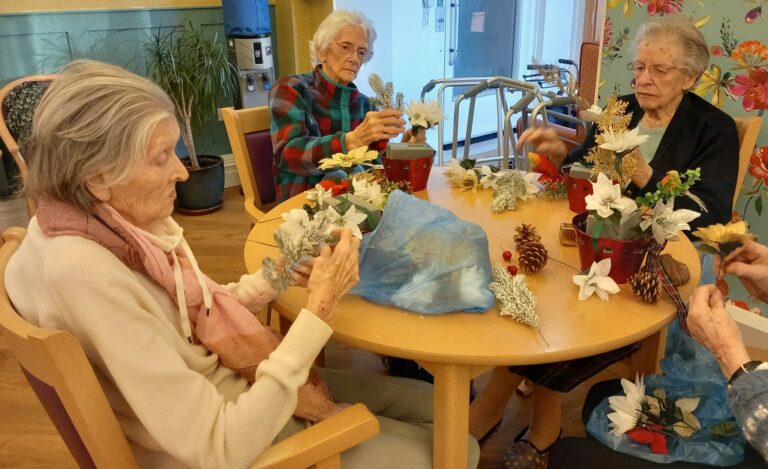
x=331, y=26
x=680, y=29
x=94, y=119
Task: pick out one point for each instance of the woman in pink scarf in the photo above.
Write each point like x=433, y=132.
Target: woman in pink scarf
x=194, y=378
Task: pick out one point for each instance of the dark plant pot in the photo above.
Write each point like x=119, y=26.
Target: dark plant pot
x=626, y=256
x=577, y=189
x=203, y=192
x=416, y=172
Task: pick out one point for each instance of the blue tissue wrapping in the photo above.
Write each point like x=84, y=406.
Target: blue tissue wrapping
x=689, y=370
x=423, y=258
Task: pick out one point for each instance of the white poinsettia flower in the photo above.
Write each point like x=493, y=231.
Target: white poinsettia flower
x=531, y=189
x=627, y=408
x=425, y=114
x=597, y=281
x=666, y=222
x=360, y=155
x=351, y=219
x=461, y=178
x=622, y=142
x=319, y=195
x=488, y=179
x=295, y=223
x=606, y=197
x=369, y=191
x=453, y=167
x=592, y=114
x=690, y=424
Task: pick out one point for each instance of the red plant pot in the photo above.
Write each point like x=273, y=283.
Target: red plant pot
x=577, y=189
x=416, y=172
x=626, y=256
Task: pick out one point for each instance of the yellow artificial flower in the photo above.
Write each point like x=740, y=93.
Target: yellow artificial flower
x=718, y=234
x=360, y=155
x=712, y=81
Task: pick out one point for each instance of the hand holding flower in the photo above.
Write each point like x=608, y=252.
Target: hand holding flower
x=377, y=125
x=750, y=263
x=335, y=272
x=642, y=171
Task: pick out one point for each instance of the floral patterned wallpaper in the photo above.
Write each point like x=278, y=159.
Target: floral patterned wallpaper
x=736, y=81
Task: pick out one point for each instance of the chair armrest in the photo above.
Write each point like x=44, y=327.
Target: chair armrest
x=322, y=440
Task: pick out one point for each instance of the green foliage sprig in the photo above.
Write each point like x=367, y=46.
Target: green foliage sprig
x=673, y=185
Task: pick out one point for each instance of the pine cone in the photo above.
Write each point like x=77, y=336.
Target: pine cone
x=532, y=256
x=525, y=233
x=646, y=286
x=677, y=271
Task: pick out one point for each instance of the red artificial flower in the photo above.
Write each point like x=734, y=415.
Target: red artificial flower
x=754, y=88
x=757, y=164
x=607, y=31
x=668, y=7
x=650, y=435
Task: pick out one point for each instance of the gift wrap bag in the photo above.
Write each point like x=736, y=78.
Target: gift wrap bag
x=424, y=259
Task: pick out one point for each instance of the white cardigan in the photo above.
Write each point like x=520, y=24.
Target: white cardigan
x=177, y=405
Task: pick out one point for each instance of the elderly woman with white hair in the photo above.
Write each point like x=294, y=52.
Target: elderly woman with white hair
x=686, y=132
x=104, y=260
x=320, y=113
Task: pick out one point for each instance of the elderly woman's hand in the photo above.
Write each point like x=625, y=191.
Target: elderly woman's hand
x=711, y=325
x=377, y=125
x=301, y=271
x=750, y=264
x=642, y=172
x=544, y=140
x=334, y=274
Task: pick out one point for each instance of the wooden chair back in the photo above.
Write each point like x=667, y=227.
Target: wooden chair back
x=749, y=128
x=64, y=381
x=248, y=132
x=9, y=140
x=61, y=376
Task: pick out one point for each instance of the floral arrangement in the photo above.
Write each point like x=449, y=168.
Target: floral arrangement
x=596, y=281
x=509, y=185
x=385, y=96
x=347, y=161
x=423, y=115
x=652, y=419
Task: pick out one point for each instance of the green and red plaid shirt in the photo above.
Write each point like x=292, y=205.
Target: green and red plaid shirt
x=310, y=114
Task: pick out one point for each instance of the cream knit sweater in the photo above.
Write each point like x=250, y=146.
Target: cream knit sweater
x=177, y=405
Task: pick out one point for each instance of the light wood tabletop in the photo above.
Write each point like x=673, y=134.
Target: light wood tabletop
x=456, y=347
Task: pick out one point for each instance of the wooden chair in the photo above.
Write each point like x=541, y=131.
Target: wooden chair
x=8, y=138
x=61, y=376
x=248, y=132
x=749, y=128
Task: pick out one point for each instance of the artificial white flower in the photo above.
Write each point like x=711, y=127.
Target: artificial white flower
x=592, y=114
x=623, y=141
x=462, y=178
x=369, y=191
x=360, y=155
x=596, y=281
x=666, y=222
x=627, y=407
x=688, y=426
x=295, y=223
x=350, y=220
x=425, y=114
x=606, y=196
x=531, y=188
x=453, y=168
x=319, y=195
x=488, y=178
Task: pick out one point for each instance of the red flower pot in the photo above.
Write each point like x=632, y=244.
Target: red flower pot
x=416, y=172
x=626, y=256
x=577, y=189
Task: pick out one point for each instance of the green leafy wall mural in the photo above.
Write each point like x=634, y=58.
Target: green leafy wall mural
x=736, y=80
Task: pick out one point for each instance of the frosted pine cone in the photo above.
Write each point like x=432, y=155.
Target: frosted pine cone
x=532, y=256
x=524, y=234
x=646, y=286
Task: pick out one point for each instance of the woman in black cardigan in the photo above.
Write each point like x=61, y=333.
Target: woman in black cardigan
x=685, y=132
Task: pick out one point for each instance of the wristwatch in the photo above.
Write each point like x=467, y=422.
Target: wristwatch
x=746, y=368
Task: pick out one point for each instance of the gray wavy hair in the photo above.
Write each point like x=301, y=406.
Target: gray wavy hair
x=94, y=119
x=331, y=26
x=680, y=29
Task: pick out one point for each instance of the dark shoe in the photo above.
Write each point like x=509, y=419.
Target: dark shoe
x=406, y=369
x=524, y=455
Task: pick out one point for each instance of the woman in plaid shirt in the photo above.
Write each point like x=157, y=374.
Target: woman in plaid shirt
x=320, y=113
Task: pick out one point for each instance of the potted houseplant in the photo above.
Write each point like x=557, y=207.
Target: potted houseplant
x=196, y=73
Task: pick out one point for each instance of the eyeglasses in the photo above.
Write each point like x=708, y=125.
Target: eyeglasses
x=655, y=71
x=348, y=49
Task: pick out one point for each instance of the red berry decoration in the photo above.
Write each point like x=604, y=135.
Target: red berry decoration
x=507, y=255
x=512, y=269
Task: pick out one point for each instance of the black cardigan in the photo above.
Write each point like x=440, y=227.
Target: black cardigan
x=699, y=135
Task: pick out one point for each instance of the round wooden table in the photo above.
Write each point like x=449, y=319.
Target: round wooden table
x=459, y=346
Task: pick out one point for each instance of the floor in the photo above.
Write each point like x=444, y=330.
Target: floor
x=29, y=440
